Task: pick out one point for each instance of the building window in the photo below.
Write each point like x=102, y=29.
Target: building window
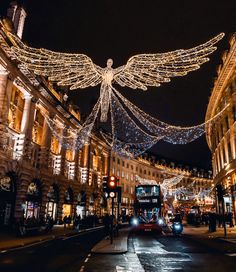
x=95, y=160
x=136, y=169
x=122, y=174
x=16, y=109
x=140, y=170
x=118, y=173
x=113, y=159
x=229, y=151
x=145, y=172
x=118, y=161
x=227, y=122
x=127, y=176
x=222, y=130
x=131, y=167
x=234, y=112
x=123, y=163
x=37, y=131
x=127, y=165
x=149, y=173
x=224, y=158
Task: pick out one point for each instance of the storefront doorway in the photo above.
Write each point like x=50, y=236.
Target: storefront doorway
x=33, y=200
x=52, y=204
x=68, y=201
x=7, y=199
x=80, y=208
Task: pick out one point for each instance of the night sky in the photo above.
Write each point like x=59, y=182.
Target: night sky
x=118, y=29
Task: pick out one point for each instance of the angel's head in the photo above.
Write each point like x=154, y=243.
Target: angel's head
x=109, y=63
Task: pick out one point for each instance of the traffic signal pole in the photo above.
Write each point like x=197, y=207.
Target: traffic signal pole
x=223, y=215
x=112, y=218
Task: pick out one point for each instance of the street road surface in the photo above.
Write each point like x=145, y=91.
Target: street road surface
x=146, y=253
x=153, y=253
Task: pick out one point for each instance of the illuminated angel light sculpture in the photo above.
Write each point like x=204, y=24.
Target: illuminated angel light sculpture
x=140, y=72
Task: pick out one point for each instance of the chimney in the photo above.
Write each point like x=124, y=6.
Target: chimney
x=17, y=14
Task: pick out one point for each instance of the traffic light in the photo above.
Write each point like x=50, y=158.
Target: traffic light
x=112, y=186
x=104, y=184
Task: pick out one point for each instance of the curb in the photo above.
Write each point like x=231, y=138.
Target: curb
x=110, y=253
x=44, y=240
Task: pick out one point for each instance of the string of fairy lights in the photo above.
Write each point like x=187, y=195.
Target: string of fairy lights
x=133, y=130
x=169, y=183
x=169, y=188
x=167, y=132
x=128, y=139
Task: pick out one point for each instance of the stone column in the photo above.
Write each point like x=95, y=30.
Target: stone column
x=3, y=106
x=63, y=154
x=85, y=155
x=28, y=129
x=26, y=113
x=76, y=160
x=46, y=145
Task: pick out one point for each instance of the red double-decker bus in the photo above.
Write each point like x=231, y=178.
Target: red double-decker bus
x=147, y=207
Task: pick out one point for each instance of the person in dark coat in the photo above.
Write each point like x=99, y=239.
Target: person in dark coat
x=107, y=223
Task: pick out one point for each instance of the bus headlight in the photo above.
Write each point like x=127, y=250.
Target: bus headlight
x=135, y=221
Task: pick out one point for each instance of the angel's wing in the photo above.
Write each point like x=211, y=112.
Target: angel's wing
x=153, y=69
x=74, y=70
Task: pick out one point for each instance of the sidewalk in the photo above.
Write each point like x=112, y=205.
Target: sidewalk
x=10, y=242
x=119, y=245
x=203, y=231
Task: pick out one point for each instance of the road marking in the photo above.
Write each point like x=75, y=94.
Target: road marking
x=122, y=269
x=3, y=251
x=86, y=260
x=83, y=232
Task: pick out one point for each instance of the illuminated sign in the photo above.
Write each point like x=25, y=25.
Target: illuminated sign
x=148, y=200
x=5, y=184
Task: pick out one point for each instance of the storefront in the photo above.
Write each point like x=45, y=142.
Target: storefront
x=103, y=206
x=68, y=201
x=92, y=208
x=52, y=204
x=81, y=207
x=33, y=200
x=7, y=199
x=233, y=193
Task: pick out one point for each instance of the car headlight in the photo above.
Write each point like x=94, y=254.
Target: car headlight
x=160, y=221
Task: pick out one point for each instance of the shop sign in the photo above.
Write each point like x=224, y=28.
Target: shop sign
x=5, y=184
x=208, y=201
x=148, y=200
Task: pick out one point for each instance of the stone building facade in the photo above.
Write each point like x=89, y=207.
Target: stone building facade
x=130, y=171
x=39, y=176
x=221, y=136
